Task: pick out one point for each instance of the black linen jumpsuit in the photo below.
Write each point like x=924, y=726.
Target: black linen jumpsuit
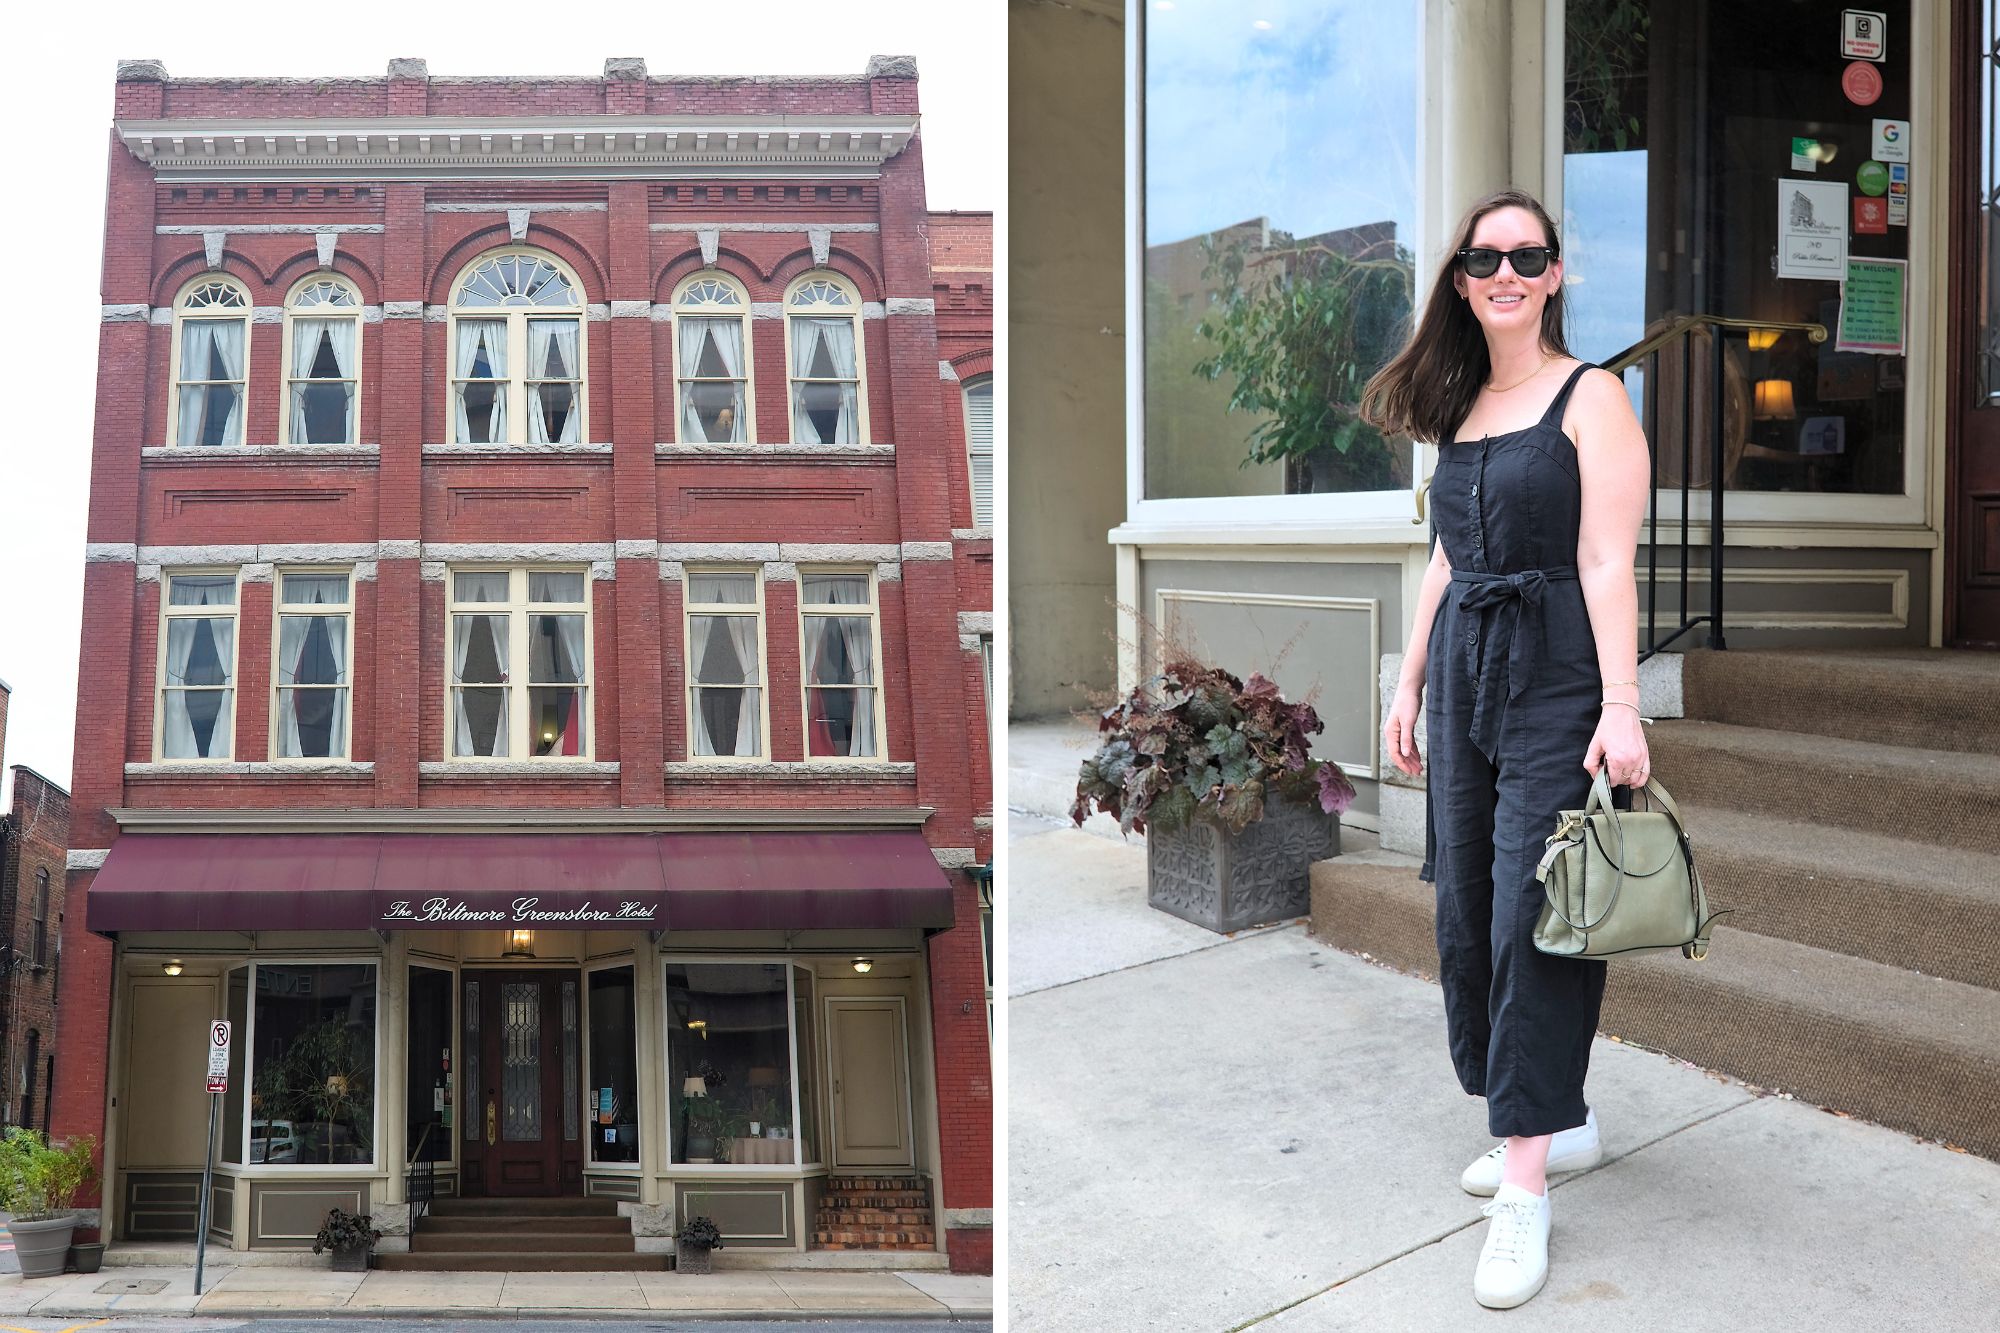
x=1512, y=697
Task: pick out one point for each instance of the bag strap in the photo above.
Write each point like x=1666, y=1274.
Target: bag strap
x=1600, y=799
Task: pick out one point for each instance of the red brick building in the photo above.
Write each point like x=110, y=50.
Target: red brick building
x=34, y=834
x=535, y=653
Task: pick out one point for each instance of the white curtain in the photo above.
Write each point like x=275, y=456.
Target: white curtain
x=177, y=738
x=743, y=638
x=854, y=638
x=307, y=335
x=471, y=334
x=211, y=349
x=463, y=629
x=725, y=336
x=739, y=635
x=294, y=637
x=570, y=630
x=835, y=337
x=559, y=334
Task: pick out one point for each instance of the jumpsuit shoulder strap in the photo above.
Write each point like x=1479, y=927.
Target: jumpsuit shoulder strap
x=1554, y=416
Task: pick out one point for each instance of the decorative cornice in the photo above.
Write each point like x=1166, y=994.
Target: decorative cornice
x=265, y=228
x=438, y=820
x=597, y=147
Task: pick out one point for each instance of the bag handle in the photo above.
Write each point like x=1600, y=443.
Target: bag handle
x=1600, y=800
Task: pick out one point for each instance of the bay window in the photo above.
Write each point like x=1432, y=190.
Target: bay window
x=520, y=664
x=840, y=644
x=822, y=314
x=311, y=1049
x=732, y=1031
x=725, y=669
x=517, y=353
x=322, y=362
x=311, y=676
x=211, y=356
x=197, y=707
x=711, y=366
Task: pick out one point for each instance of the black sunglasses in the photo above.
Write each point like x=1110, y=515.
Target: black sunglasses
x=1530, y=261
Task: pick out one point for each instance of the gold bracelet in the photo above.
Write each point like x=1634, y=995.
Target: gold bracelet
x=1610, y=683
x=1633, y=707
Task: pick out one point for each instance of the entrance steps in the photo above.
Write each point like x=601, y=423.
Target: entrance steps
x=523, y=1236
x=875, y=1212
x=1846, y=805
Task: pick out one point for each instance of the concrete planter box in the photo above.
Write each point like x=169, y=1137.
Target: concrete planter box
x=43, y=1247
x=691, y=1258
x=1226, y=881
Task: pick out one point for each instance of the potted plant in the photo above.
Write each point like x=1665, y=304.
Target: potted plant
x=39, y=1182
x=1216, y=771
x=697, y=1237
x=351, y=1237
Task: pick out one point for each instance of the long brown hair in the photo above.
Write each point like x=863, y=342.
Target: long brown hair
x=1430, y=386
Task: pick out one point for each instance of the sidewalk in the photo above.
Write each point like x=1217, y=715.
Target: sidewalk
x=260, y=1290
x=1221, y=1132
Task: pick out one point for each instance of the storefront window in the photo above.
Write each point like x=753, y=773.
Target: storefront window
x=1698, y=143
x=238, y=1014
x=428, y=1115
x=1280, y=195
x=312, y=1073
x=729, y=1060
x=802, y=1020
x=614, y=1067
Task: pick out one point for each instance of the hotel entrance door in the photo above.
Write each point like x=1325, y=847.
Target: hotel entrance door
x=523, y=1051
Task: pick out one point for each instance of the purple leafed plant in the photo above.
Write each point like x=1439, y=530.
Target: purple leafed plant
x=1195, y=740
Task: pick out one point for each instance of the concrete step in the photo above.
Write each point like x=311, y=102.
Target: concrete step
x=1928, y=908
x=1928, y=698
x=1912, y=1052
x=424, y=1240
x=520, y=1261
x=572, y=1207
x=485, y=1223
x=1934, y=797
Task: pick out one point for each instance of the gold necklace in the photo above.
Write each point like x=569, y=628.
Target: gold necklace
x=1524, y=379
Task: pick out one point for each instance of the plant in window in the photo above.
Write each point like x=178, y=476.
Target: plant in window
x=1301, y=326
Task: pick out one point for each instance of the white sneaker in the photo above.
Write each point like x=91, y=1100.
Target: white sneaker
x=1514, y=1262
x=1571, y=1150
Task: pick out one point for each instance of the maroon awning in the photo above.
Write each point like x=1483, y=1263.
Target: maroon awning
x=877, y=878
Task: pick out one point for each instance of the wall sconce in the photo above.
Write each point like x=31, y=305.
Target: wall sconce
x=172, y=967
x=1763, y=340
x=699, y=1025
x=694, y=1085
x=1774, y=400
x=864, y=965
x=520, y=944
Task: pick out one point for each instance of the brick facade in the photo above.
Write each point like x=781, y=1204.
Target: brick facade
x=34, y=836
x=632, y=501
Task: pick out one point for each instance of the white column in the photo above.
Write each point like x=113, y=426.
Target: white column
x=653, y=1103
x=392, y=1013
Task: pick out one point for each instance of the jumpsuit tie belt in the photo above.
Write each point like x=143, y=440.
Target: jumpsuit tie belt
x=1515, y=629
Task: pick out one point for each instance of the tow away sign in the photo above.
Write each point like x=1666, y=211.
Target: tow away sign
x=218, y=1055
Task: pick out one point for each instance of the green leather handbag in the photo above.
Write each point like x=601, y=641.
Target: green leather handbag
x=1621, y=882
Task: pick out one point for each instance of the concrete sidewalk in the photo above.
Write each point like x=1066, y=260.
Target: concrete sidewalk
x=263, y=1291
x=1220, y=1132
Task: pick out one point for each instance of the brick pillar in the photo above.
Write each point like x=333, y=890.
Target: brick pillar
x=409, y=86
x=624, y=86
x=398, y=392
x=635, y=487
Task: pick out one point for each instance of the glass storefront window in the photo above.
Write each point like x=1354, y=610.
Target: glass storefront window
x=1280, y=194
x=729, y=1063
x=802, y=1020
x=312, y=1074
x=238, y=1014
x=1683, y=127
x=430, y=1096
x=614, y=1067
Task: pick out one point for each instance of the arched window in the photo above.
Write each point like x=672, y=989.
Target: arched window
x=211, y=354
x=823, y=318
x=711, y=360
x=979, y=446
x=322, y=362
x=517, y=352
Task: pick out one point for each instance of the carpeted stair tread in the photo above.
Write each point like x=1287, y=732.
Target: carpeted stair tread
x=423, y=1239
x=1940, y=797
x=1931, y=908
x=520, y=1261
x=489, y=1222
x=1928, y=698
x=527, y=1207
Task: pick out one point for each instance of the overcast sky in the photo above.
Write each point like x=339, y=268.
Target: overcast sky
x=58, y=96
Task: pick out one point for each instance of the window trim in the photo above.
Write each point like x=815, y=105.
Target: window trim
x=966, y=387
x=287, y=371
x=40, y=957
x=454, y=1131
x=874, y=614
x=678, y=312
x=180, y=319
x=278, y=612
x=591, y=1165
x=160, y=687
x=853, y=312
x=249, y=1039
x=516, y=319
x=751, y=1170
x=518, y=608
x=689, y=610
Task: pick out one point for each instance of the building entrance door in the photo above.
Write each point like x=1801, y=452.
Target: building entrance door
x=522, y=1090
x=866, y=1046
x=1972, y=384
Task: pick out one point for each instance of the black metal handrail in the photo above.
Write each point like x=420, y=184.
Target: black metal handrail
x=420, y=1182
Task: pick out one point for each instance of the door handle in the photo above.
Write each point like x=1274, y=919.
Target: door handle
x=492, y=1124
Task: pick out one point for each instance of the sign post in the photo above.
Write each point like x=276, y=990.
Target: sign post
x=218, y=1085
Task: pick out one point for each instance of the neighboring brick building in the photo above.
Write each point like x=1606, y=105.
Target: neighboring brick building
x=33, y=836
x=535, y=621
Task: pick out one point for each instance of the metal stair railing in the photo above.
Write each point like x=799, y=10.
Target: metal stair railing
x=420, y=1180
